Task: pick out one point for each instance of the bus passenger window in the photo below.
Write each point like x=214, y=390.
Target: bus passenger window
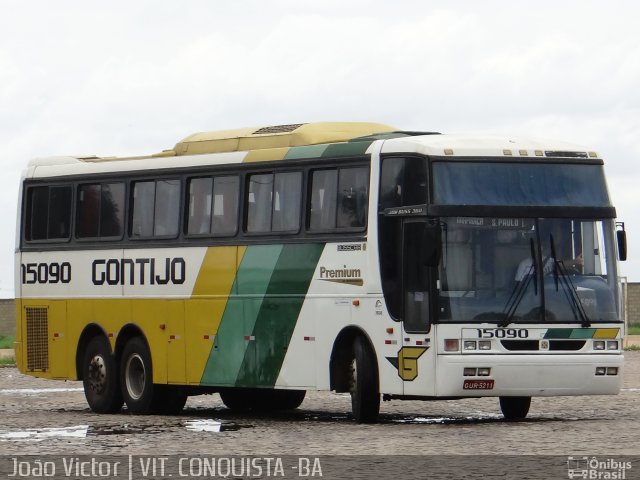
x=322, y=211
x=167, y=208
x=213, y=206
x=353, y=185
x=225, y=206
x=199, y=217
x=259, y=202
x=156, y=209
x=100, y=211
x=274, y=202
x=286, y=203
x=48, y=213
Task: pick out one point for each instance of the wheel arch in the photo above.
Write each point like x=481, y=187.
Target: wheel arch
x=128, y=332
x=90, y=331
x=342, y=354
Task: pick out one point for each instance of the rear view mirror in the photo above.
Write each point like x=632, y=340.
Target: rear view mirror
x=432, y=244
x=621, y=237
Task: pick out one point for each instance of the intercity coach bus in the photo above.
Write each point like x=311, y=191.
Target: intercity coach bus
x=352, y=257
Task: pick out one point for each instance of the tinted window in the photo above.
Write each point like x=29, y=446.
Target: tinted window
x=48, y=213
x=339, y=198
x=542, y=184
x=100, y=210
x=403, y=181
x=156, y=209
x=213, y=206
x=273, y=203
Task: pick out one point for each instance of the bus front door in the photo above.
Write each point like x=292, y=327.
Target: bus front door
x=416, y=359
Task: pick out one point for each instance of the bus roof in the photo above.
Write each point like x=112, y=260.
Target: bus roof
x=306, y=140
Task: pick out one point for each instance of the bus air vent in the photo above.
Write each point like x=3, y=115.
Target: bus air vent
x=550, y=153
x=278, y=129
x=37, y=338
x=567, y=345
x=520, y=345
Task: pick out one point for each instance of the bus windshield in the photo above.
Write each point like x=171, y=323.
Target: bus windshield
x=510, y=270
x=523, y=184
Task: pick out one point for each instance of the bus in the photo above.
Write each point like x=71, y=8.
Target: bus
x=260, y=263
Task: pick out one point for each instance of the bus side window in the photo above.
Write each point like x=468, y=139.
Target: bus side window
x=353, y=196
x=274, y=202
x=100, y=211
x=156, y=209
x=225, y=206
x=48, y=213
x=322, y=208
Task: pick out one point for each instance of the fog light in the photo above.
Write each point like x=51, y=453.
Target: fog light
x=451, y=345
x=598, y=344
x=469, y=372
x=601, y=370
x=469, y=344
x=484, y=372
x=612, y=370
x=612, y=345
x=484, y=344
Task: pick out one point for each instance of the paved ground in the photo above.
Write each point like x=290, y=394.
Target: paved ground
x=51, y=417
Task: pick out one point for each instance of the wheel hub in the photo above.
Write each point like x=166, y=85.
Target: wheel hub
x=97, y=374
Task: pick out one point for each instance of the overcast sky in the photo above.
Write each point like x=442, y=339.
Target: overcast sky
x=134, y=77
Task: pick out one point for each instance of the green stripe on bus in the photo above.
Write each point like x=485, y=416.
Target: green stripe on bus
x=311, y=151
x=569, y=333
x=278, y=315
x=240, y=315
x=346, y=149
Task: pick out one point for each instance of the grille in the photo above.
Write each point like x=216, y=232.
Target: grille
x=278, y=129
x=37, y=338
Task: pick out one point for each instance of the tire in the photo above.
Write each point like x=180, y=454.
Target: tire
x=136, y=378
x=364, y=386
x=168, y=400
x=515, y=408
x=271, y=400
x=100, y=377
x=237, y=399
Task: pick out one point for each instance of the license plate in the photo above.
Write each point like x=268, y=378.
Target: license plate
x=478, y=384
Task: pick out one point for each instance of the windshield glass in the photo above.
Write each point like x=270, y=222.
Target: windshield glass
x=524, y=269
x=541, y=184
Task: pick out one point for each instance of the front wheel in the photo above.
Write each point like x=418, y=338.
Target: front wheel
x=136, y=377
x=100, y=377
x=364, y=386
x=515, y=408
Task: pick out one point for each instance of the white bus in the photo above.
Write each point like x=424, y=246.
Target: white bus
x=353, y=257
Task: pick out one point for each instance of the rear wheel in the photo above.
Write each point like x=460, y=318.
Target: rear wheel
x=364, y=387
x=100, y=377
x=267, y=400
x=238, y=399
x=515, y=408
x=136, y=377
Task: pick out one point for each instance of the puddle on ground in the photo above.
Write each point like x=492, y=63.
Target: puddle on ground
x=207, y=425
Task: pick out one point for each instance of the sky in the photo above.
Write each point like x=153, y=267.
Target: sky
x=134, y=77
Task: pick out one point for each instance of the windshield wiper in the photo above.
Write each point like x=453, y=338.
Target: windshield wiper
x=569, y=289
x=519, y=290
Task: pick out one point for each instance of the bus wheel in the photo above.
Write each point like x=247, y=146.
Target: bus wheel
x=100, y=378
x=515, y=408
x=365, y=392
x=168, y=400
x=237, y=399
x=136, y=377
x=268, y=400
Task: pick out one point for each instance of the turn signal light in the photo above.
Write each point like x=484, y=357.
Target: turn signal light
x=451, y=345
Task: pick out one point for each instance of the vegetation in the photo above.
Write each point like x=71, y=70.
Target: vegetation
x=633, y=330
x=7, y=362
x=634, y=348
x=6, y=341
